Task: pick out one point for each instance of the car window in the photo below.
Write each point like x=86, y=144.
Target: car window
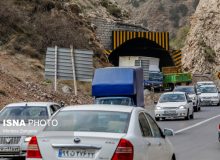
x=52, y=109
x=189, y=90
x=91, y=121
x=144, y=126
x=57, y=107
x=155, y=129
x=207, y=89
x=24, y=112
x=172, y=98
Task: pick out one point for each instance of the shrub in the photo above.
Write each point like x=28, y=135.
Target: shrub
x=179, y=40
x=105, y=3
x=115, y=11
x=183, y=9
x=210, y=54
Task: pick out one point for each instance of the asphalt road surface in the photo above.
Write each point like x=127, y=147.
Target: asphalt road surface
x=196, y=139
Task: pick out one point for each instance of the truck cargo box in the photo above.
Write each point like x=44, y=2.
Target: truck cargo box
x=119, y=81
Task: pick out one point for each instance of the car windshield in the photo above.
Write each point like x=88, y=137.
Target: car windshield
x=24, y=113
x=155, y=77
x=119, y=101
x=207, y=89
x=91, y=121
x=172, y=98
x=189, y=90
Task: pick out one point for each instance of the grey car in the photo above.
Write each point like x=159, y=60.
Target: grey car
x=19, y=122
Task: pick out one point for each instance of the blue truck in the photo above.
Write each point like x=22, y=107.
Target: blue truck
x=119, y=86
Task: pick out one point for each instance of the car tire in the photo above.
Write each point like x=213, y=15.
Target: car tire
x=192, y=116
x=157, y=119
x=188, y=116
x=196, y=109
x=173, y=157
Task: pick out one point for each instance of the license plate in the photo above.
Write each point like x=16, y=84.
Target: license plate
x=170, y=112
x=9, y=149
x=68, y=153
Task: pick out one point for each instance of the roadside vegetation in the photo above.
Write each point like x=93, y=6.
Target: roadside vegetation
x=179, y=40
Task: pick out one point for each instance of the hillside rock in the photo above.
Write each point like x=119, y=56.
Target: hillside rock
x=201, y=53
x=160, y=15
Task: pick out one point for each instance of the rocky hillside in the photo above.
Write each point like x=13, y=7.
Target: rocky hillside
x=201, y=53
x=27, y=28
x=160, y=15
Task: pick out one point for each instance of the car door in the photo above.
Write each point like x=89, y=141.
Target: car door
x=150, y=143
x=161, y=143
x=189, y=104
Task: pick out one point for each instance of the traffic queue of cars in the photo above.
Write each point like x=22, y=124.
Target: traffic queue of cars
x=185, y=100
x=97, y=131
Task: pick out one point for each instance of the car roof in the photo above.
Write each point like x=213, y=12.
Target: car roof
x=101, y=107
x=210, y=85
x=39, y=104
x=174, y=93
x=205, y=82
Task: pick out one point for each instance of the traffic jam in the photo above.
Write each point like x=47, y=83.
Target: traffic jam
x=118, y=126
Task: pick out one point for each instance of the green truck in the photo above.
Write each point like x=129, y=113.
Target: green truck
x=170, y=80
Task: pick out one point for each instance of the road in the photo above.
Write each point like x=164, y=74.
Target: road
x=195, y=139
x=199, y=140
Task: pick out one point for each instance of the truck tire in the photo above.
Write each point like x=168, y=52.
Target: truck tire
x=157, y=119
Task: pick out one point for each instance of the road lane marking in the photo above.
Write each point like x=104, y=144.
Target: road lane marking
x=195, y=125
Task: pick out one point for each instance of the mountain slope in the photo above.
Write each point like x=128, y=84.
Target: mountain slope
x=160, y=15
x=201, y=53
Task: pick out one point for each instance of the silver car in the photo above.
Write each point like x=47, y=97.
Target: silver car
x=174, y=105
x=102, y=132
x=191, y=91
x=19, y=122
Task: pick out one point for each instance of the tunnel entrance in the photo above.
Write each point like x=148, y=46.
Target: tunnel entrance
x=141, y=47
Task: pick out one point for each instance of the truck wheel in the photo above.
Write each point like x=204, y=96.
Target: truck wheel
x=157, y=119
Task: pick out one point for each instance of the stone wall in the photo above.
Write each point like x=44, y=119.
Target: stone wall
x=104, y=30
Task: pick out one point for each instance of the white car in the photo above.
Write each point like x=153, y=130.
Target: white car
x=190, y=90
x=102, y=132
x=202, y=83
x=174, y=105
x=15, y=135
x=208, y=95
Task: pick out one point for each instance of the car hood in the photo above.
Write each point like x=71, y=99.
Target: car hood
x=171, y=104
x=208, y=95
x=192, y=95
x=28, y=130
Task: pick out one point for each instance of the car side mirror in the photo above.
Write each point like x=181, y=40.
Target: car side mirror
x=168, y=132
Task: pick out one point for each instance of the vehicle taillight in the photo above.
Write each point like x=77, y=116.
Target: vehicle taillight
x=219, y=126
x=33, y=149
x=124, y=151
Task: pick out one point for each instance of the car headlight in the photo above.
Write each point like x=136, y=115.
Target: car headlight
x=27, y=139
x=158, y=108
x=182, y=107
